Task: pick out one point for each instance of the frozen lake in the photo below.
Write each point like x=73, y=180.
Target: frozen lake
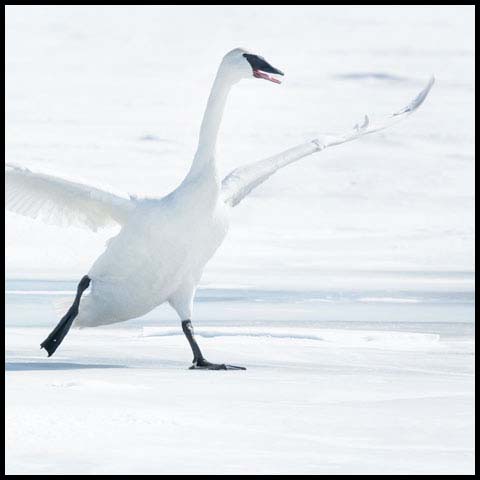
x=31, y=303
x=351, y=382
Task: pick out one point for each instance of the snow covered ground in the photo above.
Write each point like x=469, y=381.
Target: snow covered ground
x=345, y=284
x=357, y=382
x=121, y=403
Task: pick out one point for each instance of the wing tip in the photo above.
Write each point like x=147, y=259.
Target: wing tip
x=424, y=93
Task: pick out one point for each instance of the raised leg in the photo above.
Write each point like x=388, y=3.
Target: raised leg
x=199, y=362
x=53, y=341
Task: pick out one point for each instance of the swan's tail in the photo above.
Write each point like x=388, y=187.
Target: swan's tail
x=53, y=341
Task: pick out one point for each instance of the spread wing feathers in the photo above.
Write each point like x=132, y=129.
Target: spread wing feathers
x=62, y=202
x=241, y=181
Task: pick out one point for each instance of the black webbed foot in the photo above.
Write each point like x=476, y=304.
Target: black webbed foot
x=203, y=364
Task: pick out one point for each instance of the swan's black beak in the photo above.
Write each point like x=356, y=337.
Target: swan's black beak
x=261, y=68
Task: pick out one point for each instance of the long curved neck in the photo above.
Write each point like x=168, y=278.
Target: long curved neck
x=205, y=154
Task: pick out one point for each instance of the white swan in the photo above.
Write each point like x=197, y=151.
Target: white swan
x=164, y=243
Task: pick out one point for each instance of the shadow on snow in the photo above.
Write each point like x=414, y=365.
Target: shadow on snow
x=31, y=366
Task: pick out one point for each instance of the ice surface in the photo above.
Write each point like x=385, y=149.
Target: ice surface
x=334, y=385
x=115, y=401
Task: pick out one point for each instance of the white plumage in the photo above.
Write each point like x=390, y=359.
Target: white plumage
x=164, y=243
x=62, y=202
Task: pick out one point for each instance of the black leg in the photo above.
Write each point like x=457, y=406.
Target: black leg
x=199, y=361
x=187, y=328
x=53, y=341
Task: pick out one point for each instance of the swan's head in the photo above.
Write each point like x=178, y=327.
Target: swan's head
x=240, y=63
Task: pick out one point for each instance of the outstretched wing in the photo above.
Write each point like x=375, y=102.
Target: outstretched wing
x=241, y=181
x=60, y=201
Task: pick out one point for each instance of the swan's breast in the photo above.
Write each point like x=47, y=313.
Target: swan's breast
x=162, y=243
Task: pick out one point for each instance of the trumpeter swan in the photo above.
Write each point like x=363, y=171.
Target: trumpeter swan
x=164, y=243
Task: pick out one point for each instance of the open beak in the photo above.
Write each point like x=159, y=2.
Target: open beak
x=266, y=76
x=262, y=69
